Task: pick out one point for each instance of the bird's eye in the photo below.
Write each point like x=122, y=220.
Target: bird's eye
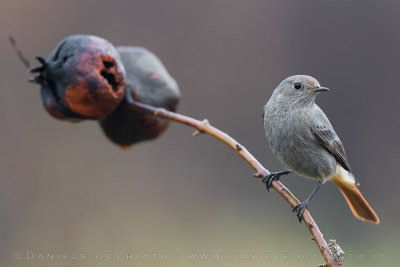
x=297, y=86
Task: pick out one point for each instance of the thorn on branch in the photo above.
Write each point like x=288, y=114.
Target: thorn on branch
x=196, y=133
x=206, y=122
x=238, y=147
x=258, y=175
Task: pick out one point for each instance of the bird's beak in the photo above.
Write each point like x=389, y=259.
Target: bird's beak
x=319, y=89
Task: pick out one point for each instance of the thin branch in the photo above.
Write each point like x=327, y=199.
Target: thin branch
x=260, y=172
x=19, y=52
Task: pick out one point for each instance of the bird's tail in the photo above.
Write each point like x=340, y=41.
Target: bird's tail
x=357, y=203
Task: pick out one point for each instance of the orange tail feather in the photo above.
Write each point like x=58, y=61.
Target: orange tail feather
x=357, y=203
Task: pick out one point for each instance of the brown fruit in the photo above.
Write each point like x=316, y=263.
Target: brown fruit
x=83, y=78
x=147, y=81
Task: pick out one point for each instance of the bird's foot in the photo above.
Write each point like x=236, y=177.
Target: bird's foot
x=299, y=209
x=268, y=179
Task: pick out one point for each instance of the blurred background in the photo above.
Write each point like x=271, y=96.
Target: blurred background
x=66, y=190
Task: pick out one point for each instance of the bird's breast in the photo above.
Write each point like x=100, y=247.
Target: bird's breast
x=294, y=145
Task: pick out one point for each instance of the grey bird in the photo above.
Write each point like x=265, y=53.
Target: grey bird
x=304, y=141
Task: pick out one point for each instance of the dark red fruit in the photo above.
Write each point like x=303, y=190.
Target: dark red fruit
x=147, y=81
x=83, y=78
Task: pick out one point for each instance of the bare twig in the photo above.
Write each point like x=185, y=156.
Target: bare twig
x=260, y=172
x=19, y=53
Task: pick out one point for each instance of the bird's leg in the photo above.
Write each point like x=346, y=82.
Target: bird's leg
x=268, y=179
x=300, y=208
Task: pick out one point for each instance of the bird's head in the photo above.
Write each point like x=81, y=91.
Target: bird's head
x=298, y=88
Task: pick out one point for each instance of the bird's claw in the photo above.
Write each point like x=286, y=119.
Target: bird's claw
x=299, y=209
x=268, y=179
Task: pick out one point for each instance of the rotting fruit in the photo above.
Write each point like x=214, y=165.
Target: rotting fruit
x=147, y=81
x=83, y=78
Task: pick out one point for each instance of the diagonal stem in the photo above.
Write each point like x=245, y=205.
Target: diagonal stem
x=260, y=172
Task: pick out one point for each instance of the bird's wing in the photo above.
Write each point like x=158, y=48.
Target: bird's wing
x=326, y=136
